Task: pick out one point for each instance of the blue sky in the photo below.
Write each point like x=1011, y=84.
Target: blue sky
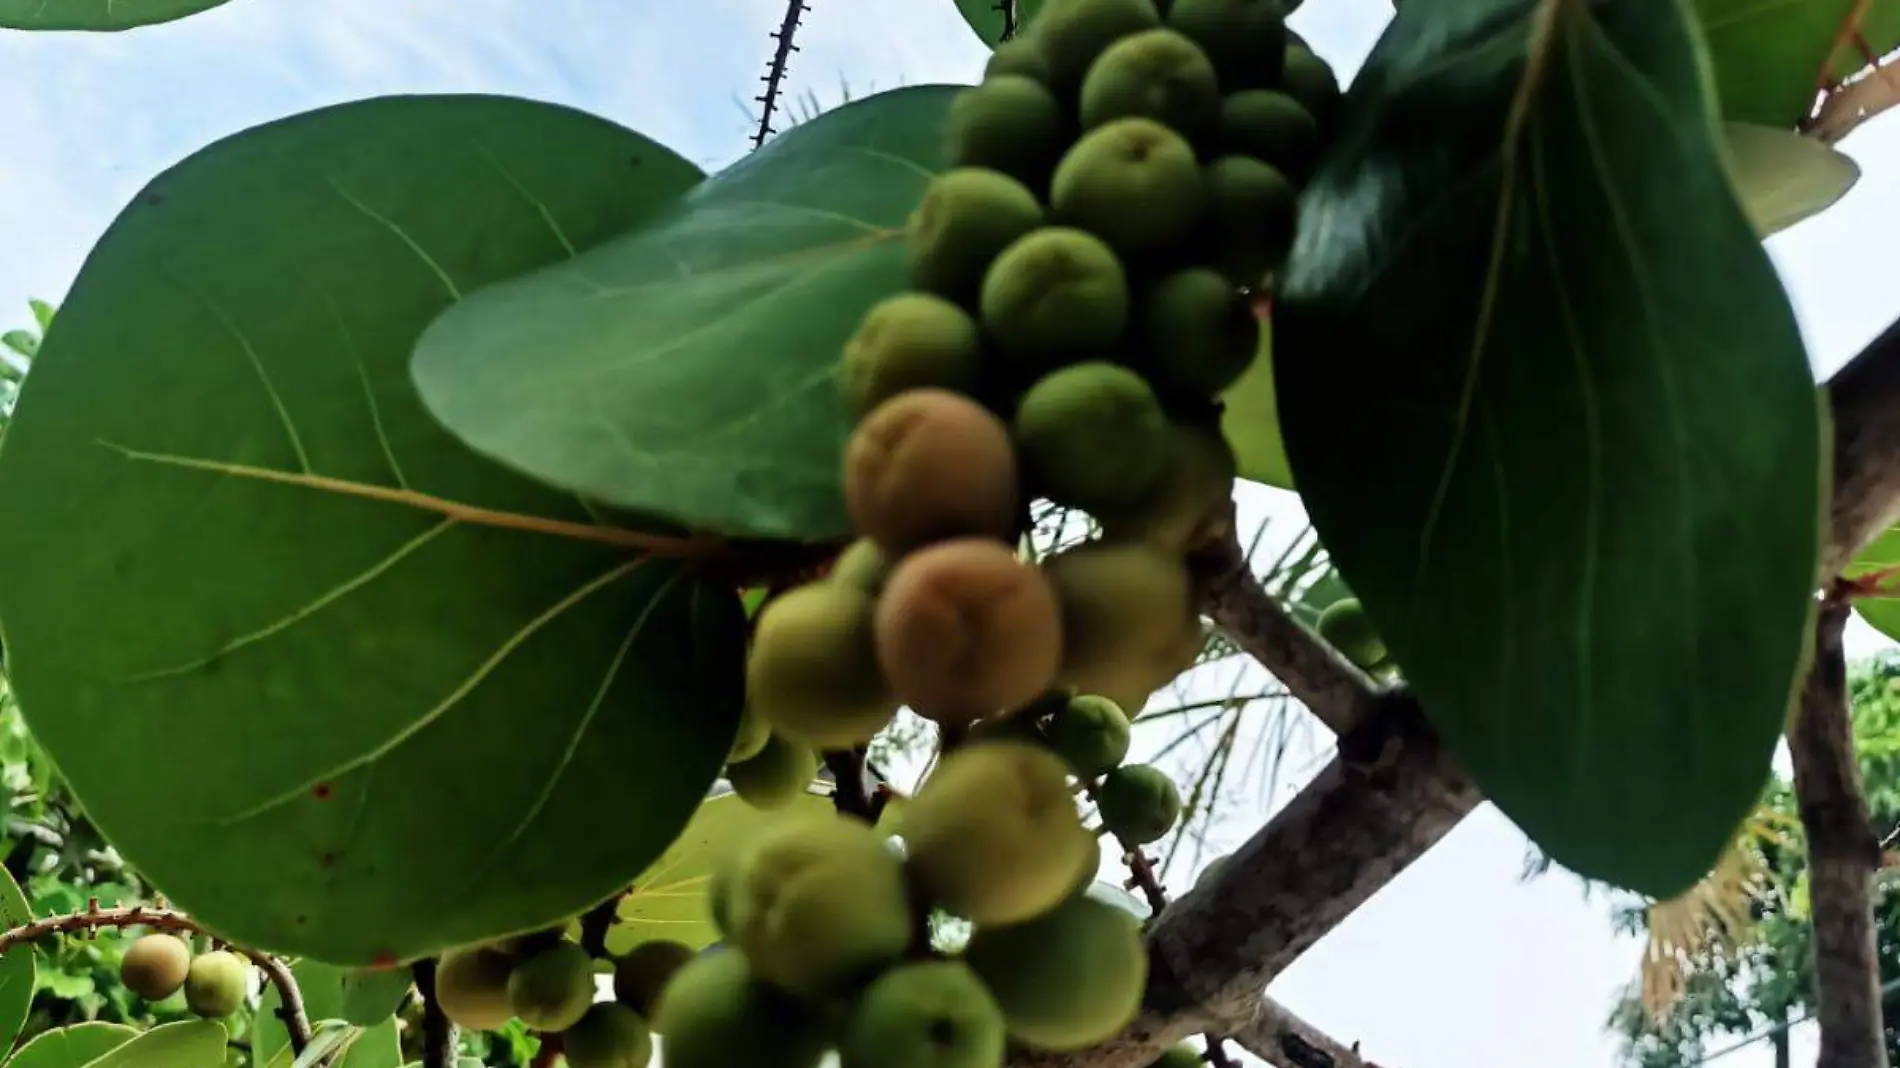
x=1457, y=964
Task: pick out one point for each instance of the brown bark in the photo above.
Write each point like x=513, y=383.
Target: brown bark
x=1284, y=1040
x=1865, y=400
x=1843, y=855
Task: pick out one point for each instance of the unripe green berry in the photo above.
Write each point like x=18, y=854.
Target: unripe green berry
x=216, y=984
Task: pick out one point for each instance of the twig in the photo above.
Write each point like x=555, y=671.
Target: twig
x=775, y=71
x=94, y=918
x=596, y=922
x=1008, y=8
x=1864, y=396
x=854, y=794
x=439, y=1038
x=1284, y=1040
x=1842, y=857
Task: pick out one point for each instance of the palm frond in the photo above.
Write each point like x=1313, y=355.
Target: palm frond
x=1712, y=916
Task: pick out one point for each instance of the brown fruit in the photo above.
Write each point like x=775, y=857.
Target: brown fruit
x=966, y=630
x=929, y=465
x=155, y=966
x=472, y=987
x=1125, y=609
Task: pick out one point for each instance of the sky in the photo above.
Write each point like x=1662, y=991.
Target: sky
x=1458, y=963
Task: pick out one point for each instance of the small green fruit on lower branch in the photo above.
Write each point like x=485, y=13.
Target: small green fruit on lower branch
x=1192, y=494
x=1138, y=803
x=1018, y=55
x=1010, y=123
x=1246, y=39
x=1132, y=182
x=1055, y=295
x=471, y=986
x=812, y=671
x=643, y=972
x=910, y=341
x=966, y=218
x=1074, y=33
x=216, y=984
x=1124, y=606
x=1250, y=217
x=1200, y=330
x=1272, y=127
x=818, y=905
x=1347, y=627
x=776, y=775
x=155, y=966
x=552, y=989
x=608, y=1036
x=1180, y=1055
x=1311, y=81
x=717, y=1014
x=993, y=835
x=928, y=465
x=933, y=1014
x=1092, y=734
x=1091, y=436
x=966, y=629
x=1156, y=74
x=1068, y=979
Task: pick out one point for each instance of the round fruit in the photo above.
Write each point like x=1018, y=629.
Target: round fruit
x=155, y=966
x=818, y=905
x=751, y=736
x=1212, y=871
x=1091, y=733
x=1250, y=217
x=1132, y=182
x=776, y=775
x=608, y=1036
x=552, y=989
x=1018, y=55
x=471, y=986
x=1067, y=979
x=1011, y=124
x=717, y=1014
x=910, y=341
x=1073, y=33
x=993, y=835
x=1138, y=803
x=932, y=1014
x=930, y=465
x=1122, y=605
x=1181, y=1055
x=1201, y=329
x=1193, y=493
x=1055, y=295
x=1092, y=436
x=967, y=630
x=1157, y=74
x=966, y=217
x=644, y=971
x=1348, y=628
x=1272, y=127
x=1246, y=39
x=863, y=566
x=216, y=983
x=812, y=671
x=1311, y=81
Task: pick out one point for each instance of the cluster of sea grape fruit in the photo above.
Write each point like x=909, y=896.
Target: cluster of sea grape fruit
x=1347, y=627
x=158, y=965
x=1137, y=803
x=547, y=981
x=827, y=922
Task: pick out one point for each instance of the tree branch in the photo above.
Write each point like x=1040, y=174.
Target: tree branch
x=1284, y=1040
x=439, y=1038
x=1865, y=399
x=1843, y=855
x=94, y=918
x=775, y=71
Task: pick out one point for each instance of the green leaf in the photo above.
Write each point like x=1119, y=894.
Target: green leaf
x=987, y=19
x=401, y=726
x=42, y=313
x=1783, y=177
x=95, y=14
x=1549, y=411
x=1250, y=417
x=371, y=996
x=1880, y=559
x=687, y=368
x=186, y=1044
x=1879, y=29
x=72, y=1046
x=320, y=986
x=17, y=968
x=374, y=1047
x=668, y=900
x=24, y=342
x=1768, y=57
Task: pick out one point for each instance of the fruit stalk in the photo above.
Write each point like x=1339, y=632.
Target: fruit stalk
x=439, y=1037
x=94, y=918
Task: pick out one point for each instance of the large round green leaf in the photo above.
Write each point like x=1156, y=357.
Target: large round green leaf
x=72, y=1046
x=1549, y=410
x=16, y=969
x=95, y=14
x=688, y=367
x=372, y=995
x=186, y=1044
x=1783, y=177
x=325, y=711
x=990, y=19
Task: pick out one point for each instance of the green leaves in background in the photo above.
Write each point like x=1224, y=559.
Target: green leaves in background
x=687, y=367
x=186, y=1044
x=1578, y=487
x=402, y=726
x=16, y=968
x=73, y=1046
x=371, y=996
x=1783, y=177
x=987, y=17
x=668, y=900
x=95, y=14
x=1880, y=560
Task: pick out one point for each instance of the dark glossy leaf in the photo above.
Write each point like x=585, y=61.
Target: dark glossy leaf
x=1768, y=58
x=72, y=1046
x=403, y=717
x=688, y=367
x=989, y=20
x=95, y=14
x=1549, y=411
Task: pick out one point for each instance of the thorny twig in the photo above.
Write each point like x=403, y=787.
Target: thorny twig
x=94, y=918
x=775, y=71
